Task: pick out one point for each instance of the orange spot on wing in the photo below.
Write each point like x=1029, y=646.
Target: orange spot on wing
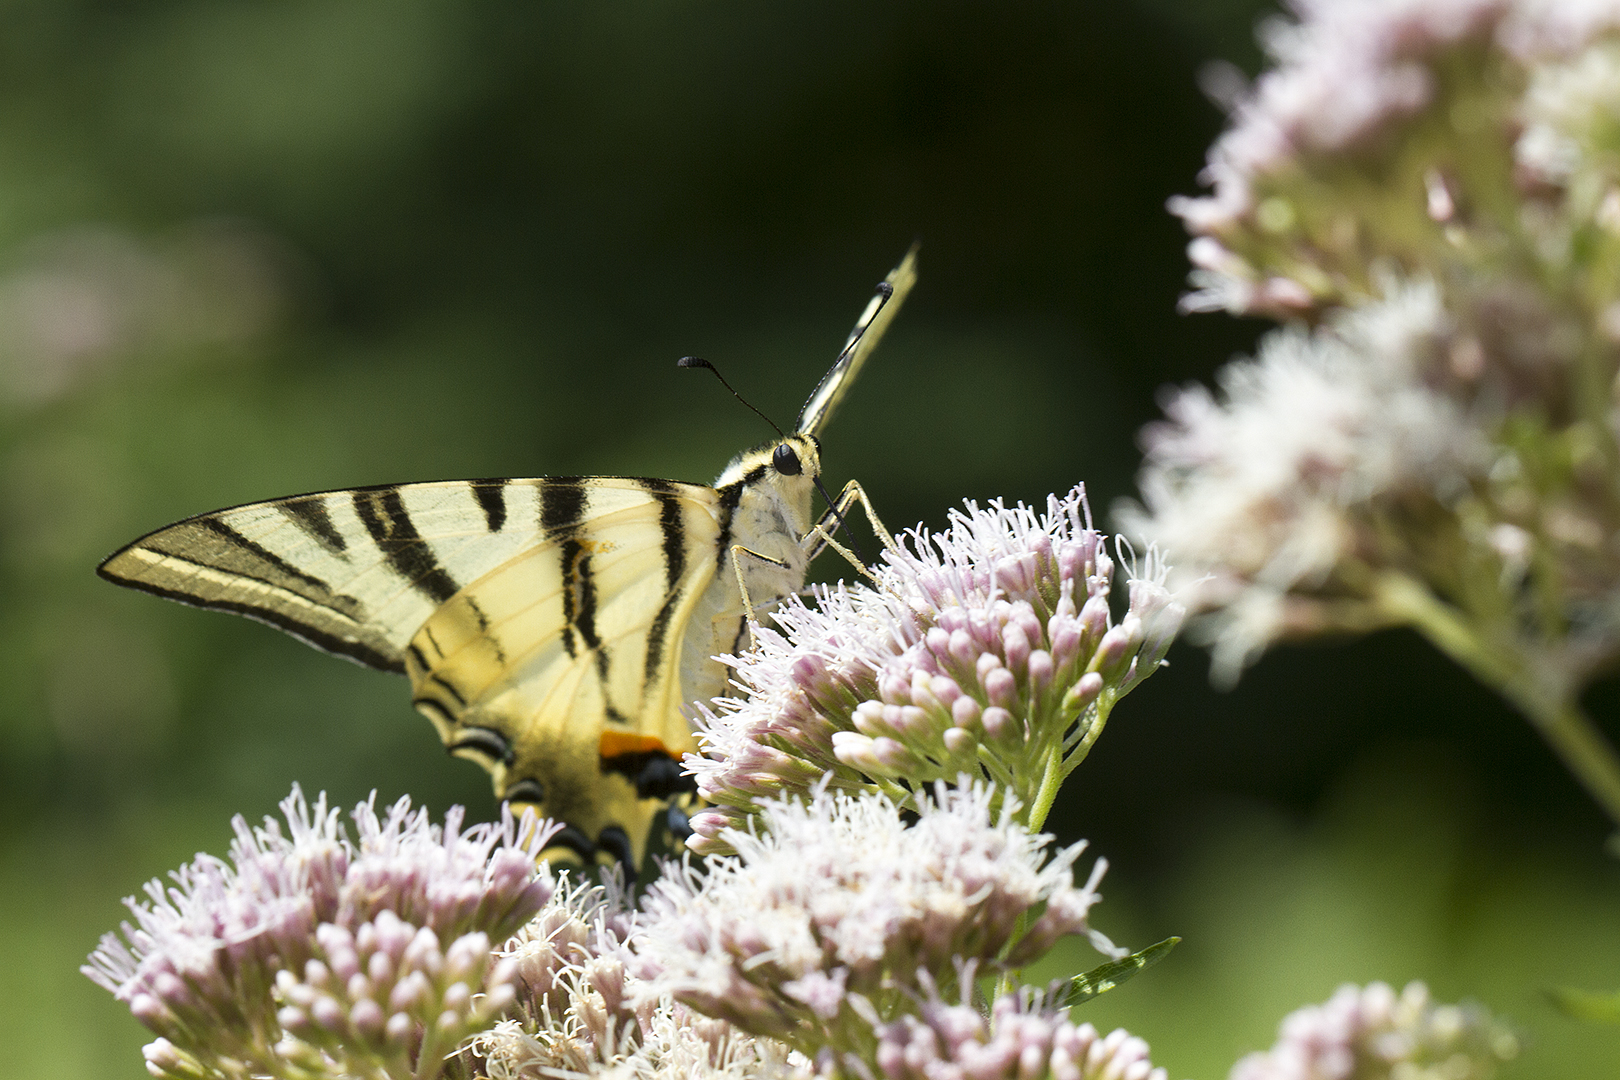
x=614, y=743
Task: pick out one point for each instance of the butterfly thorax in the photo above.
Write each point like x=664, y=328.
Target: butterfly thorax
x=767, y=515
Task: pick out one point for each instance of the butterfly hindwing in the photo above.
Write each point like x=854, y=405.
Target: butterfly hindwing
x=558, y=670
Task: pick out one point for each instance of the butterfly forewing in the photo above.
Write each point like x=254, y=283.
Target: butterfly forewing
x=352, y=572
x=862, y=340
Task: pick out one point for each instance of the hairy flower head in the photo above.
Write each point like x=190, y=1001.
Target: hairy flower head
x=826, y=914
x=1023, y=1038
x=987, y=649
x=307, y=942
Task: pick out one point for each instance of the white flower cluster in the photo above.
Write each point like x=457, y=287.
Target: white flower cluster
x=871, y=810
x=825, y=916
x=1352, y=90
x=1258, y=492
x=1434, y=187
x=582, y=1012
x=1373, y=1033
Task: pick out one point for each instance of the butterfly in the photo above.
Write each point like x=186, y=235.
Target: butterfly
x=553, y=629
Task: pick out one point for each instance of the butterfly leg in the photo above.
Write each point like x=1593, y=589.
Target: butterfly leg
x=737, y=551
x=820, y=536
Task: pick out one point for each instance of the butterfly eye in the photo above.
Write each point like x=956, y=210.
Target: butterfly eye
x=786, y=461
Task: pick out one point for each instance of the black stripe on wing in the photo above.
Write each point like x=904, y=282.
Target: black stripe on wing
x=383, y=514
x=672, y=524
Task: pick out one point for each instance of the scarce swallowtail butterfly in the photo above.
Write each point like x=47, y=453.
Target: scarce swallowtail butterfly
x=553, y=629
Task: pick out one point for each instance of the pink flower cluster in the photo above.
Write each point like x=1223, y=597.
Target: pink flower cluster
x=987, y=649
x=1374, y=1032
x=378, y=939
x=1020, y=1040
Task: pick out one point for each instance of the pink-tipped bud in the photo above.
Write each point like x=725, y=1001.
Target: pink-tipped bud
x=328, y=1013
x=1016, y=645
x=1094, y=617
x=853, y=749
x=965, y=712
x=381, y=968
x=367, y=1018
x=1065, y=634
x=292, y=1018
x=959, y=741
x=893, y=755
x=399, y=1028
x=497, y=999
x=998, y=722
x=150, y=1011
x=408, y=991
x=1001, y=687
x=1040, y=670
x=893, y=688
x=962, y=649
x=1082, y=693
x=1117, y=646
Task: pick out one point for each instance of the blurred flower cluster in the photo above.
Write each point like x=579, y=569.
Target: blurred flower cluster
x=1372, y=1033
x=79, y=301
x=1428, y=194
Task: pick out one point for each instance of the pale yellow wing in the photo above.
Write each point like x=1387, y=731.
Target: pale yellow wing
x=353, y=572
x=557, y=670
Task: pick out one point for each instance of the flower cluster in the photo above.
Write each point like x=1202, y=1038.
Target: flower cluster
x=826, y=915
x=1413, y=132
x=1373, y=1033
x=310, y=950
x=873, y=844
x=582, y=1012
x=1022, y=1039
x=1269, y=497
x=987, y=649
x=1431, y=190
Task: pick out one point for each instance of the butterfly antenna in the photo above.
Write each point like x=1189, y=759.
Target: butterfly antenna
x=699, y=362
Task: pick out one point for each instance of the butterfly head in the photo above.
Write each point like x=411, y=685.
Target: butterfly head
x=785, y=471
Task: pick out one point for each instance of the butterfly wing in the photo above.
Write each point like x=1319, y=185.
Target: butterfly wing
x=351, y=572
x=535, y=617
x=862, y=340
x=558, y=670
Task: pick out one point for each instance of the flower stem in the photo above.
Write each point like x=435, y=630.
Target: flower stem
x=1046, y=794
x=1548, y=703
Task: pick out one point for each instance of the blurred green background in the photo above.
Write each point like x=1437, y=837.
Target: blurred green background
x=252, y=248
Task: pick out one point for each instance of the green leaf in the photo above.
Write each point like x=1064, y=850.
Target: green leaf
x=1105, y=977
x=1585, y=1005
